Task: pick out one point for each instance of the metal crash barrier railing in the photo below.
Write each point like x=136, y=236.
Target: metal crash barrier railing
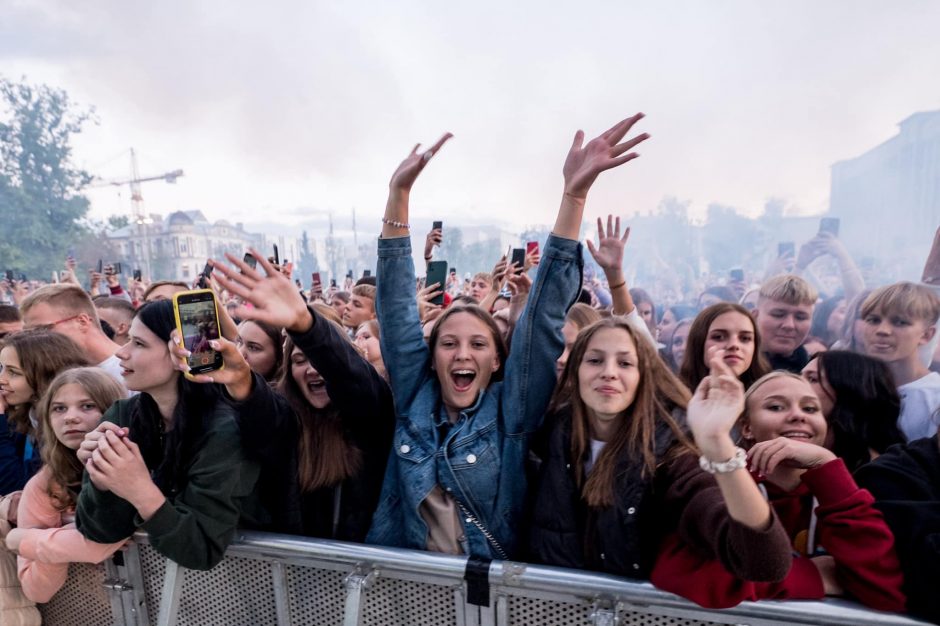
x=280, y=580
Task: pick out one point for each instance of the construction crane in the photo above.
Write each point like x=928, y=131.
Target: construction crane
x=142, y=220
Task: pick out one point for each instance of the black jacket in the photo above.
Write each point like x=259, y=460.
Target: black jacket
x=271, y=432
x=905, y=481
x=566, y=532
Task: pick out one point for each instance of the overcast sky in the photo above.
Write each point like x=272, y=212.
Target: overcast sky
x=269, y=109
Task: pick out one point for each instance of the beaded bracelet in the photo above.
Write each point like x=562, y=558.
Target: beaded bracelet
x=385, y=220
x=738, y=461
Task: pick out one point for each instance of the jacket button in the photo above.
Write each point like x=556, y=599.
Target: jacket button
x=631, y=511
x=448, y=490
x=405, y=448
x=471, y=458
x=636, y=566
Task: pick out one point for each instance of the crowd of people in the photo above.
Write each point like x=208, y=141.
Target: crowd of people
x=756, y=442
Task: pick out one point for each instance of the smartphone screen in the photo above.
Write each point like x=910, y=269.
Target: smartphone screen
x=277, y=257
x=737, y=275
x=531, y=246
x=250, y=260
x=518, y=257
x=137, y=275
x=366, y=273
x=197, y=320
x=316, y=282
x=10, y=275
x=437, y=225
x=100, y=266
x=117, y=268
x=437, y=273
x=333, y=282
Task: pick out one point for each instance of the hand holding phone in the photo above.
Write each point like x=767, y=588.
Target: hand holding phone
x=518, y=259
x=437, y=273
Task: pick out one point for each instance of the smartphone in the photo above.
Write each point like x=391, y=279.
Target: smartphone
x=197, y=320
x=829, y=225
x=348, y=273
x=137, y=275
x=277, y=257
x=70, y=254
x=366, y=273
x=10, y=276
x=22, y=278
x=737, y=275
x=437, y=225
x=250, y=260
x=531, y=246
x=100, y=267
x=333, y=283
x=117, y=268
x=453, y=270
x=317, y=284
x=518, y=257
x=437, y=273
x=786, y=248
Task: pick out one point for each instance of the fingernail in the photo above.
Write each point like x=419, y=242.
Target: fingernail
x=215, y=344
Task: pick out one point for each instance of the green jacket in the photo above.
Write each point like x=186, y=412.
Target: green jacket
x=196, y=525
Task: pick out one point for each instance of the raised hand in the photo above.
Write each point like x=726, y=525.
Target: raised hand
x=275, y=299
x=586, y=162
x=715, y=408
x=434, y=238
x=426, y=308
x=519, y=284
x=610, y=245
x=409, y=169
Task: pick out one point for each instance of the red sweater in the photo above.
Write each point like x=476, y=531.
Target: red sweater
x=848, y=528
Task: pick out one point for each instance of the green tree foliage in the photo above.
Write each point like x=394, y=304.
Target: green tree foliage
x=40, y=205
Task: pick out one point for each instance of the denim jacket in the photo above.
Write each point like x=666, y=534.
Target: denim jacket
x=480, y=461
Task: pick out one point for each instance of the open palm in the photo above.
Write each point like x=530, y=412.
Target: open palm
x=609, y=251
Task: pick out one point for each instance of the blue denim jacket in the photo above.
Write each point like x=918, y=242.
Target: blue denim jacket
x=481, y=460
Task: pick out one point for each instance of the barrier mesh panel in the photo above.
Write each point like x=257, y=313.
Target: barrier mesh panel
x=315, y=596
x=632, y=618
x=236, y=592
x=392, y=602
x=153, y=568
x=528, y=611
x=82, y=601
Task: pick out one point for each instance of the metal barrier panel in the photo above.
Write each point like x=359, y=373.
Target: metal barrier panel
x=83, y=601
x=278, y=581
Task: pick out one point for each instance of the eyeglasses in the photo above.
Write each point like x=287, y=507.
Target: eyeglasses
x=52, y=325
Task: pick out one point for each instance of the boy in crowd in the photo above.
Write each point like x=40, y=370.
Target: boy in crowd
x=118, y=313
x=784, y=315
x=10, y=320
x=899, y=319
x=361, y=307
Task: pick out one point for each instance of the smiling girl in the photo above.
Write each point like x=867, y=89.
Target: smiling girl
x=46, y=538
x=841, y=542
x=732, y=328
x=455, y=481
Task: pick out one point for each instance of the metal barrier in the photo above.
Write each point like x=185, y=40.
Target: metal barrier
x=282, y=580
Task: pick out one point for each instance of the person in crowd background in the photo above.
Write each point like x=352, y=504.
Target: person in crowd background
x=29, y=360
x=361, y=307
x=899, y=319
x=10, y=320
x=784, y=314
x=368, y=339
x=118, y=313
x=857, y=395
x=262, y=346
x=728, y=326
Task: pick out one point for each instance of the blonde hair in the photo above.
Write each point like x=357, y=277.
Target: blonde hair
x=907, y=299
x=789, y=289
x=68, y=297
x=364, y=291
x=766, y=378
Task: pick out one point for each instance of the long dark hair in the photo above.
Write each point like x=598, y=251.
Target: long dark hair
x=865, y=413
x=276, y=337
x=169, y=453
x=658, y=394
x=325, y=457
x=694, y=368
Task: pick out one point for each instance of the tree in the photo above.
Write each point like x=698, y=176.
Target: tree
x=40, y=203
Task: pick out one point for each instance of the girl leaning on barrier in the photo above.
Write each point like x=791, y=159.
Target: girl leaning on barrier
x=327, y=446
x=455, y=480
x=841, y=542
x=621, y=471
x=169, y=460
x=45, y=538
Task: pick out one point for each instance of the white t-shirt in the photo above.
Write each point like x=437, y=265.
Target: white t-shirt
x=920, y=407
x=596, y=446
x=112, y=365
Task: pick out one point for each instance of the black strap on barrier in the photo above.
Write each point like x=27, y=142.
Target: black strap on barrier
x=477, y=577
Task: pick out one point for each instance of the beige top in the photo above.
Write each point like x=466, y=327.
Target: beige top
x=445, y=530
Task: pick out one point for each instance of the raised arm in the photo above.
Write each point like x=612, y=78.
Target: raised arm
x=536, y=340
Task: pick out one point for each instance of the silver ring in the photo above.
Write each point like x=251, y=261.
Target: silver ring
x=427, y=155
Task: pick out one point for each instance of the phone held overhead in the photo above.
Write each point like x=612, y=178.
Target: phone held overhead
x=197, y=321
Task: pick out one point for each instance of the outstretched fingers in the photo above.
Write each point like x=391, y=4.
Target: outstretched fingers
x=616, y=132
